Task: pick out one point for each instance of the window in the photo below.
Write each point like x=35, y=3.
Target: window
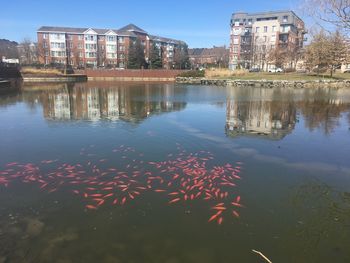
x=121, y=48
x=90, y=38
x=250, y=21
x=235, y=49
x=57, y=45
x=45, y=44
x=273, y=47
x=121, y=39
x=80, y=46
x=81, y=54
x=265, y=38
x=111, y=38
x=46, y=53
x=90, y=54
x=285, y=19
x=70, y=37
x=111, y=48
x=44, y=36
x=80, y=37
x=58, y=53
x=111, y=55
x=273, y=38
x=265, y=29
x=273, y=28
x=235, y=41
x=257, y=29
x=237, y=22
x=285, y=29
x=122, y=56
x=90, y=46
x=71, y=44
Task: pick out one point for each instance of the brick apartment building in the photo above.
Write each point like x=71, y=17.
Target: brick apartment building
x=254, y=36
x=99, y=47
x=215, y=56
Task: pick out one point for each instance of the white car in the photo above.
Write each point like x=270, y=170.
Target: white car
x=275, y=70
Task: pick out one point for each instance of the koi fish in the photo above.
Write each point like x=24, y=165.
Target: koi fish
x=174, y=200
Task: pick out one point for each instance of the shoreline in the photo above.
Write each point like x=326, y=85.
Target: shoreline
x=265, y=83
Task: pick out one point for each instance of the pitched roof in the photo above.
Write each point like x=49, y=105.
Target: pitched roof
x=133, y=28
x=130, y=30
x=76, y=30
x=62, y=29
x=208, y=52
x=165, y=39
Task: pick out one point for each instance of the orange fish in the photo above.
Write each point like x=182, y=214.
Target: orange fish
x=174, y=200
x=91, y=207
x=235, y=213
x=220, y=220
x=215, y=216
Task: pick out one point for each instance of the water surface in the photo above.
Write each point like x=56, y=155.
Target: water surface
x=65, y=148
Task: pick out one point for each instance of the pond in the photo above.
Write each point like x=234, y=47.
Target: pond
x=118, y=172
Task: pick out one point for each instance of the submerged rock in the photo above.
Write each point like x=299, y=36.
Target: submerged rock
x=34, y=227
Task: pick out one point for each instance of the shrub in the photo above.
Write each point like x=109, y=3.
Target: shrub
x=193, y=74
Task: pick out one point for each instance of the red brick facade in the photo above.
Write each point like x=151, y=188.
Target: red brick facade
x=88, y=47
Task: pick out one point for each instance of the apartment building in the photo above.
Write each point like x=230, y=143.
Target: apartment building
x=217, y=56
x=255, y=36
x=90, y=47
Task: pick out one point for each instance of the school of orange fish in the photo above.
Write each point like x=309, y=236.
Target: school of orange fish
x=183, y=177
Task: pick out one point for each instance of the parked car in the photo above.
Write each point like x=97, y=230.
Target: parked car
x=254, y=70
x=275, y=70
x=346, y=71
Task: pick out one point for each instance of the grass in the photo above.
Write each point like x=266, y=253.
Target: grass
x=245, y=75
x=41, y=72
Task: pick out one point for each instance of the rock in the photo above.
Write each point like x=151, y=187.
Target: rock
x=34, y=227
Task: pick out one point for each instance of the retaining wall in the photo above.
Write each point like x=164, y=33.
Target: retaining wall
x=266, y=83
x=130, y=75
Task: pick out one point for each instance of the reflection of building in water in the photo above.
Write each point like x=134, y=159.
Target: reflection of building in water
x=128, y=103
x=255, y=112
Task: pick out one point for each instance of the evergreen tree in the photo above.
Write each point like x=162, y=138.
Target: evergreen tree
x=155, y=58
x=136, y=57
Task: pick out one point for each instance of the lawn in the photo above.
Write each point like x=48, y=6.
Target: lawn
x=244, y=75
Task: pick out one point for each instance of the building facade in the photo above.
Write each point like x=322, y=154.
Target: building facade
x=203, y=57
x=90, y=47
x=255, y=37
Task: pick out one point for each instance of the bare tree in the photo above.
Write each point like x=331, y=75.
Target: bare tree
x=327, y=51
x=27, y=52
x=334, y=12
x=277, y=56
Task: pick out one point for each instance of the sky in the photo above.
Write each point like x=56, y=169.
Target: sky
x=200, y=23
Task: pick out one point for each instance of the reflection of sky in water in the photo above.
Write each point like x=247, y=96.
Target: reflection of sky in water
x=289, y=140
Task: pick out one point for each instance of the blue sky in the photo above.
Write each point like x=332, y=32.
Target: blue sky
x=201, y=23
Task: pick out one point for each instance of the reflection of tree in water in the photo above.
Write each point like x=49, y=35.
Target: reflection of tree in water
x=322, y=110
x=323, y=216
x=272, y=113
